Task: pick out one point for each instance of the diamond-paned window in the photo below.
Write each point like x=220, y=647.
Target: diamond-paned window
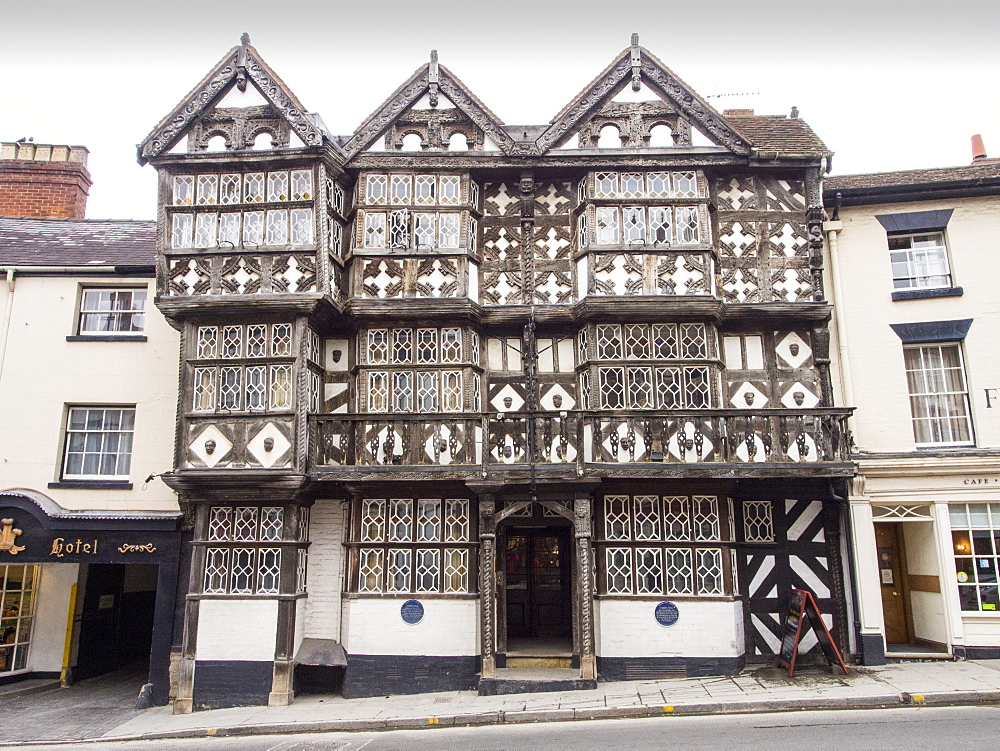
x=257, y=340
x=607, y=226
x=647, y=517
x=451, y=391
x=606, y=185
x=277, y=186
x=427, y=391
x=688, y=230
x=208, y=341
x=402, y=391
x=253, y=228
x=424, y=230
x=616, y=517
x=665, y=341
x=449, y=230
x=697, y=388
x=402, y=345
x=632, y=185
x=640, y=388
x=230, y=388
x=370, y=570
x=399, y=229
x=399, y=567
x=373, y=519
x=758, y=525
x=205, y=230
x=618, y=570
x=220, y=523
x=378, y=391
x=680, y=579
x=216, y=570
x=400, y=520
x=456, y=569
x=400, y=189
x=376, y=190
x=609, y=342
x=694, y=342
x=256, y=387
x=429, y=520
x=232, y=341
x=374, y=230
x=612, y=385
x=302, y=185
x=183, y=190
x=231, y=189
x=676, y=518
x=182, y=226
x=253, y=187
x=660, y=225
x=277, y=227
x=451, y=190
x=302, y=227
x=425, y=193
x=637, y=341
x=648, y=570
x=229, y=229
x=706, y=517
x=268, y=570
x=658, y=184
x=208, y=190
x=451, y=345
x=634, y=225
x=204, y=389
x=378, y=346
x=456, y=522
x=685, y=185
x=281, y=339
x=427, y=351
x=428, y=570
x=281, y=386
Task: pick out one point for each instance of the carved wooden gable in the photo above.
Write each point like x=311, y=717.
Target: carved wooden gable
x=681, y=108
x=197, y=113
x=402, y=114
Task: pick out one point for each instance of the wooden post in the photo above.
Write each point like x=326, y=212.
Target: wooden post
x=487, y=579
x=585, y=590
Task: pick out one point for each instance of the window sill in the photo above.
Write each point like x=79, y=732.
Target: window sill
x=107, y=338
x=92, y=484
x=926, y=294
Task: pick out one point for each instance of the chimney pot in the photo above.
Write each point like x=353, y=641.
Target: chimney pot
x=978, y=148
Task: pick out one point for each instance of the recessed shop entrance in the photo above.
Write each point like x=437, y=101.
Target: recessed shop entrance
x=538, y=584
x=116, y=617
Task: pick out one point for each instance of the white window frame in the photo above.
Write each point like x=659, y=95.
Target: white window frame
x=914, y=261
x=101, y=437
x=104, y=306
x=939, y=423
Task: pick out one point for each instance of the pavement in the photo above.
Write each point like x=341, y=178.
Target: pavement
x=88, y=716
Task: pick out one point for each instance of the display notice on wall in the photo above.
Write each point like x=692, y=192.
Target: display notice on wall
x=803, y=612
x=412, y=612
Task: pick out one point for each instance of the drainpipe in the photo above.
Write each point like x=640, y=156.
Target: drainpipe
x=8, y=310
x=833, y=228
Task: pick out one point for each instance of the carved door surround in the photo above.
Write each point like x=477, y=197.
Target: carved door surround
x=493, y=523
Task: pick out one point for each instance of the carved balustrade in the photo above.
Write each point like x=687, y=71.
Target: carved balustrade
x=760, y=437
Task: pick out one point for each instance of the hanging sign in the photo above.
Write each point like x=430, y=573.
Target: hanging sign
x=802, y=610
x=666, y=614
x=412, y=612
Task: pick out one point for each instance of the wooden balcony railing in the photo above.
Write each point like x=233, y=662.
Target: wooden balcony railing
x=808, y=436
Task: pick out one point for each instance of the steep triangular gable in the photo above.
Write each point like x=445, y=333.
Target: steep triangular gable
x=430, y=78
x=634, y=65
x=240, y=65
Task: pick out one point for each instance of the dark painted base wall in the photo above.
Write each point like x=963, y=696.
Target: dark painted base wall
x=224, y=683
x=872, y=649
x=381, y=675
x=31, y=675
x=637, y=668
x=978, y=653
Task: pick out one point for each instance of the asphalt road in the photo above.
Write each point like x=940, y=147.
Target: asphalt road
x=939, y=728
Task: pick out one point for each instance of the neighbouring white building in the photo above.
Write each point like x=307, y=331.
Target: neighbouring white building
x=88, y=380
x=917, y=337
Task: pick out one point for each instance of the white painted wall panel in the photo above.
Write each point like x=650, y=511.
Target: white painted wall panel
x=237, y=629
x=325, y=570
x=51, y=614
x=374, y=627
x=704, y=629
x=982, y=631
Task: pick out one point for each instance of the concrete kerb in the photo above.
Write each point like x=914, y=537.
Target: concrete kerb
x=884, y=701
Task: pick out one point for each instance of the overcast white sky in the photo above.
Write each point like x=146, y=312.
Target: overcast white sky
x=887, y=85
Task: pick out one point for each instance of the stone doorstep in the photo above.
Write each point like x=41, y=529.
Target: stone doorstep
x=27, y=687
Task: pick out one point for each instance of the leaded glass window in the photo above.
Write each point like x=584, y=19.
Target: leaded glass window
x=253, y=228
x=688, y=229
x=376, y=190
x=208, y=190
x=425, y=193
x=450, y=189
x=253, y=187
x=181, y=230
x=277, y=186
x=277, y=227
x=400, y=189
x=424, y=230
x=374, y=230
x=448, y=230
x=607, y=225
x=302, y=185
x=231, y=189
x=183, y=190
x=229, y=229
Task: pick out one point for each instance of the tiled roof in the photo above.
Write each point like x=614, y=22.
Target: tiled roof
x=969, y=173
x=28, y=241
x=788, y=135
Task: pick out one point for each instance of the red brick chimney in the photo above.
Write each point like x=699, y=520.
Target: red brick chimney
x=43, y=180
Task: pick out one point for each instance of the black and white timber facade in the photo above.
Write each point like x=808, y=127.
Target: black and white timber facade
x=534, y=382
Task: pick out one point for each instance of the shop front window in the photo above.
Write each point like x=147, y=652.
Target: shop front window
x=17, y=610
x=975, y=534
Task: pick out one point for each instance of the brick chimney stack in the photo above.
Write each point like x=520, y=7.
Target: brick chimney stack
x=43, y=180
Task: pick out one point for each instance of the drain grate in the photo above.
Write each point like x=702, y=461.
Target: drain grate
x=638, y=671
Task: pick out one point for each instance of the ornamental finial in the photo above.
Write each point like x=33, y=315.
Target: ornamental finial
x=245, y=39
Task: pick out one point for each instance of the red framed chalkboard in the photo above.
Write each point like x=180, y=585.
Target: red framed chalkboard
x=803, y=611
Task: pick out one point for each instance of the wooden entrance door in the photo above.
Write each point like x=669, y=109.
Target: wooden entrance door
x=892, y=577
x=539, y=592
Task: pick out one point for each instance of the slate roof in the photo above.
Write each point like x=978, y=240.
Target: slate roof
x=26, y=241
x=971, y=173
x=788, y=135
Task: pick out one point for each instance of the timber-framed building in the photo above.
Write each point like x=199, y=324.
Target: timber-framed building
x=458, y=395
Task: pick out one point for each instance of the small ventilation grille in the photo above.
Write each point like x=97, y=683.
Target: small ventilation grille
x=639, y=670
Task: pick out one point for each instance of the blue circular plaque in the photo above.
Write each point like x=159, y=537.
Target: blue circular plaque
x=412, y=612
x=666, y=614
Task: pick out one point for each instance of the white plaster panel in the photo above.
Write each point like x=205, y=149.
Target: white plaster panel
x=703, y=629
x=567, y=361
x=981, y=631
x=325, y=572
x=919, y=542
x=928, y=616
x=48, y=640
x=374, y=627
x=237, y=629
x=300, y=624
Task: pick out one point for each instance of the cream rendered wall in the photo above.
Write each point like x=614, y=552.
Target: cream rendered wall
x=703, y=629
x=882, y=422
x=374, y=627
x=48, y=640
x=42, y=372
